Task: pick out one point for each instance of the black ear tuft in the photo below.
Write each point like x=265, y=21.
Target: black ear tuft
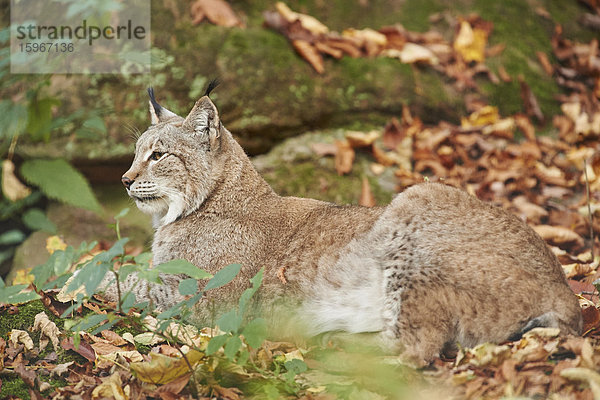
x=211, y=86
x=157, y=107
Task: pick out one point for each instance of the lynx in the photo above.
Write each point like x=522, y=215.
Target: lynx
x=434, y=268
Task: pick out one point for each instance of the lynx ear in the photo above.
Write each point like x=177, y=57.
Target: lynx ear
x=203, y=120
x=157, y=112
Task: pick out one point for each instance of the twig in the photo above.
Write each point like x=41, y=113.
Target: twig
x=589, y=207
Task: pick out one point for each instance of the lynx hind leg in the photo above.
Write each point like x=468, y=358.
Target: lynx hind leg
x=416, y=324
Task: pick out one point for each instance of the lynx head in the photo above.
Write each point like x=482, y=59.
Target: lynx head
x=173, y=170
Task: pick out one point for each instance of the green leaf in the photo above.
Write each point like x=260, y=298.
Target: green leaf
x=58, y=180
x=36, y=220
x=14, y=119
x=122, y=213
x=255, y=332
x=232, y=346
x=89, y=321
x=183, y=267
x=14, y=294
x=216, y=343
x=170, y=312
x=248, y=293
x=90, y=276
x=12, y=237
x=95, y=123
x=294, y=367
x=40, y=117
x=230, y=321
x=223, y=276
x=188, y=286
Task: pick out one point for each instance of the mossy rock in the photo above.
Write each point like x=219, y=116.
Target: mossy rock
x=293, y=169
x=269, y=93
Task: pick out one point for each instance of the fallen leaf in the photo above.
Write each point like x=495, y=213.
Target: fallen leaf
x=558, y=235
x=28, y=376
x=310, y=54
x=486, y=116
x=532, y=107
x=12, y=188
x=504, y=74
x=218, y=12
x=84, y=348
x=470, y=43
x=586, y=375
x=308, y=22
x=175, y=386
x=111, y=387
x=101, y=348
x=361, y=139
x=344, y=157
x=412, y=53
x=393, y=134
x=54, y=243
x=61, y=369
x=113, y=337
x=543, y=59
x=18, y=336
x=48, y=330
x=148, y=338
x=366, y=196
x=231, y=393
x=162, y=369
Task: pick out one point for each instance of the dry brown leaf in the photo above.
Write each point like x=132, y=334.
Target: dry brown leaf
x=17, y=336
x=361, y=139
x=366, y=196
x=326, y=49
x=113, y=337
x=543, y=59
x=531, y=211
x=532, y=107
x=504, y=74
x=310, y=54
x=102, y=348
x=176, y=386
x=412, y=53
x=558, y=235
x=525, y=125
x=218, y=12
x=344, y=157
x=308, y=22
x=393, y=134
x=12, y=188
x=84, y=348
x=231, y=393
x=49, y=331
x=111, y=388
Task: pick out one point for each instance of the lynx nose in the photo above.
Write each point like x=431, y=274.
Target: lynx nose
x=127, y=182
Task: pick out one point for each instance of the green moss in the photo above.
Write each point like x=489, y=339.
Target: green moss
x=23, y=320
x=15, y=387
x=317, y=179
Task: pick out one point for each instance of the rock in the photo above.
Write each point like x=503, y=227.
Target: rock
x=293, y=169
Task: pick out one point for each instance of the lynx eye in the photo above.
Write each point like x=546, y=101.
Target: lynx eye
x=156, y=155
